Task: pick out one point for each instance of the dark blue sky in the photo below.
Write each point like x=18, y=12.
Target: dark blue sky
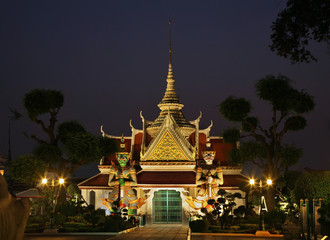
x=110, y=60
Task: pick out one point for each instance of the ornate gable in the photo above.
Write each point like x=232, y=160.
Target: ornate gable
x=169, y=144
x=167, y=149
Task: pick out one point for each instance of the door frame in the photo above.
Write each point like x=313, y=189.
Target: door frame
x=167, y=207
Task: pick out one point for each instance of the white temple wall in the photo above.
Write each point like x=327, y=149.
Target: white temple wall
x=99, y=194
x=147, y=210
x=238, y=201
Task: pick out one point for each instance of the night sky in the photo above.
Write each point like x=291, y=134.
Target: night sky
x=110, y=60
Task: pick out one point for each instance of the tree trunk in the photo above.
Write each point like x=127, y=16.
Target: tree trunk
x=273, y=173
x=61, y=195
x=270, y=198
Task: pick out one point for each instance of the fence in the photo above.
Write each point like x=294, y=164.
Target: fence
x=310, y=226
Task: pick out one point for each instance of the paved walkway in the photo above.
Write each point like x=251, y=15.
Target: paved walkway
x=156, y=232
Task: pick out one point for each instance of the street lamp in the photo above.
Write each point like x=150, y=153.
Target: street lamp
x=52, y=184
x=263, y=206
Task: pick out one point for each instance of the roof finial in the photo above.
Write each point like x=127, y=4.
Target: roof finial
x=170, y=96
x=170, y=41
x=122, y=142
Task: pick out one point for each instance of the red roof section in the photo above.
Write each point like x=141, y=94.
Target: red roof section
x=217, y=144
x=233, y=180
x=157, y=177
x=137, y=146
x=100, y=180
x=222, y=150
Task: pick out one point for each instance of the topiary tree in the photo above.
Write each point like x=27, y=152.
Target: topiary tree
x=264, y=145
x=67, y=145
x=27, y=169
x=222, y=208
x=313, y=185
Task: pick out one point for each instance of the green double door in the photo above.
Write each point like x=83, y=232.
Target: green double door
x=167, y=207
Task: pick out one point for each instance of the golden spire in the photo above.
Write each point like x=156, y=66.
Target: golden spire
x=170, y=40
x=170, y=103
x=170, y=96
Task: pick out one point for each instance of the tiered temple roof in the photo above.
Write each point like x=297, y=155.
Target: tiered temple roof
x=168, y=148
x=170, y=104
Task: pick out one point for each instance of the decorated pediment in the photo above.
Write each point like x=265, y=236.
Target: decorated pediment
x=169, y=144
x=167, y=149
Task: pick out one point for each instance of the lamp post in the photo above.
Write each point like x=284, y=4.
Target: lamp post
x=263, y=206
x=52, y=184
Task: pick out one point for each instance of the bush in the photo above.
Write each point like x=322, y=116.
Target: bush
x=248, y=226
x=199, y=226
x=37, y=219
x=275, y=218
x=78, y=219
x=73, y=225
x=240, y=211
x=314, y=184
x=116, y=224
x=67, y=209
x=95, y=217
x=59, y=219
x=252, y=219
x=34, y=228
x=36, y=224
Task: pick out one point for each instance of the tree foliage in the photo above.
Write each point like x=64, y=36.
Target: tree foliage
x=67, y=145
x=313, y=185
x=264, y=145
x=222, y=208
x=232, y=135
x=40, y=101
x=27, y=169
x=301, y=22
x=235, y=109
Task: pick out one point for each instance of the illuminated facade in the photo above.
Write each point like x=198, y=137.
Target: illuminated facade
x=3, y=162
x=166, y=153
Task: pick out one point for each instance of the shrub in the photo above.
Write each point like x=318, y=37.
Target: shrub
x=275, y=218
x=78, y=219
x=314, y=184
x=240, y=211
x=252, y=219
x=199, y=225
x=73, y=225
x=114, y=224
x=37, y=219
x=34, y=228
x=94, y=216
x=67, y=209
x=59, y=219
x=249, y=226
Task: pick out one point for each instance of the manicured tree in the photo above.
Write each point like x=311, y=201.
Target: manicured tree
x=223, y=208
x=67, y=145
x=313, y=185
x=301, y=22
x=264, y=145
x=27, y=169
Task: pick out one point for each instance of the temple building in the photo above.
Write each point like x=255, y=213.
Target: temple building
x=166, y=154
